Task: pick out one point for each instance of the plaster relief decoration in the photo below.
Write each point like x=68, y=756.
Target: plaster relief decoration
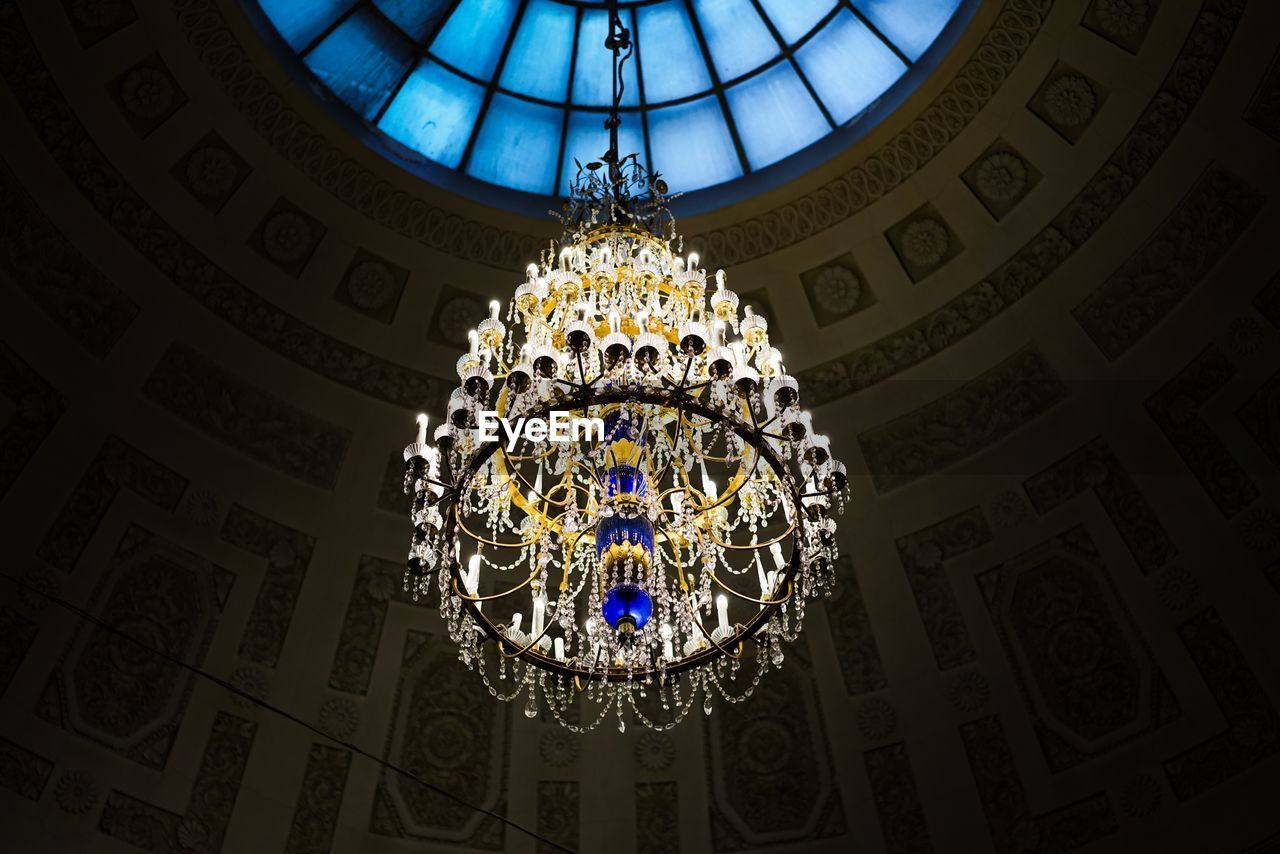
x=558, y=806
x=1176, y=408
x=23, y=772
x=147, y=94
x=923, y=555
x=1264, y=109
x=120, y=205
x=211, y=171
x=657, y=818
x=315, y=817
x=77, y=793
x=1124, y=23
x=203, y=824
x=836, y=290
x=1173, y=262
x=94, y=20
x=770, y=774
x=1001, y=178
x=1068, y=101
x=1032, y=264
x=372, y=286
x=16, y=636
x=1260, y=417
x=34, y=408
x=851, y=633
x=38, y=259
x=923, y=242
x=230, y=409
x=377, y=584
x=1015, y=829
x=1252, y=733
x=1096, y=468
x=1089, y=681
x=963, y=421
x=447, y=729
x=457, y=312
x=113, y=691
x=287, y=236
x=893, y=787
x=117, y=465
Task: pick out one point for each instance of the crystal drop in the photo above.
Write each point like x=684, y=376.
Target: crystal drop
x=531, y=706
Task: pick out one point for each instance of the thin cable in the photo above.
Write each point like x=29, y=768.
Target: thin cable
x=257, y=701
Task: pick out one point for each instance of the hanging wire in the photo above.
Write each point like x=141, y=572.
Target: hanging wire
x=87, y=617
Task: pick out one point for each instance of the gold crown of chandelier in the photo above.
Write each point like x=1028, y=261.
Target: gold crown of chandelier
x=691, y=516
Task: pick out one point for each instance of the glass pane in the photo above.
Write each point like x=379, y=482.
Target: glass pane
x=587, y=140
x=795, y=18
x=911, y=26
x=672, y=60
x=434, y=113
x=300, y=23
x=691, y=145
x=739, y=41
x=361, y=61
x=518, y=145
x=775, y=115
x=848, y=66
x=593, y=78
x=474, y=36
x=416, y=18
x=538, y=64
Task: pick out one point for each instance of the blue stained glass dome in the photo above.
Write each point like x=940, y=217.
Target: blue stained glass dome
x=511, y=92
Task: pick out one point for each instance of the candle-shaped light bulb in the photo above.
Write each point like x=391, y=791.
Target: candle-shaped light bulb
x=717, y=332
x=422, y=428
x=539, y=615
x=693, y=261
x=668, y=648
x=722, y=610
x=516, y=619
x=775, y=549
x=772, y=578
x=472, y=579
x=719, y=280
x=564, y=257
x=739, y=352
x=475, y=342
x=531, y=271
x=710, y=489
x=558, y=644
x=763, y=576
x=677, y=502
x=696, y=619
x=494, y=308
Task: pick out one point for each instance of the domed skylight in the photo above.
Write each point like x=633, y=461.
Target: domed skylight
x=511, y=91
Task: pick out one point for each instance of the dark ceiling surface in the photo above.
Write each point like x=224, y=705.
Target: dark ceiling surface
x=1036, y=308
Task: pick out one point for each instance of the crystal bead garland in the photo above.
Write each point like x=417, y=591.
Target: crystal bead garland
x=659, y=550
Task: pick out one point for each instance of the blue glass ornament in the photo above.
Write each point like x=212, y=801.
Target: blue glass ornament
x=627, y=602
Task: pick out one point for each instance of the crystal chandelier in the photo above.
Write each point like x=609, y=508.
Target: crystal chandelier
x=665, y=551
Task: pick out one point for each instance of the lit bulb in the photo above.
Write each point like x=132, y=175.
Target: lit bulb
x=775, y=549
x=422, y=428
x=710, y=489
x=722, y=610
x=559, y=649
x=516, y=619
x=693, y=261
x=494, y=308
x=475, y=342
x=531, y=271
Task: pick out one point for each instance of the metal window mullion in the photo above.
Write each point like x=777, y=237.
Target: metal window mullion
x=492, y=87
x=568, y=98
x=330, y=27
x=875, y=31
x=790, y=56
x=717, y=87
x=641, y=112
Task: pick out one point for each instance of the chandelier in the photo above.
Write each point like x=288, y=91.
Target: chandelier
x=625, y=503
